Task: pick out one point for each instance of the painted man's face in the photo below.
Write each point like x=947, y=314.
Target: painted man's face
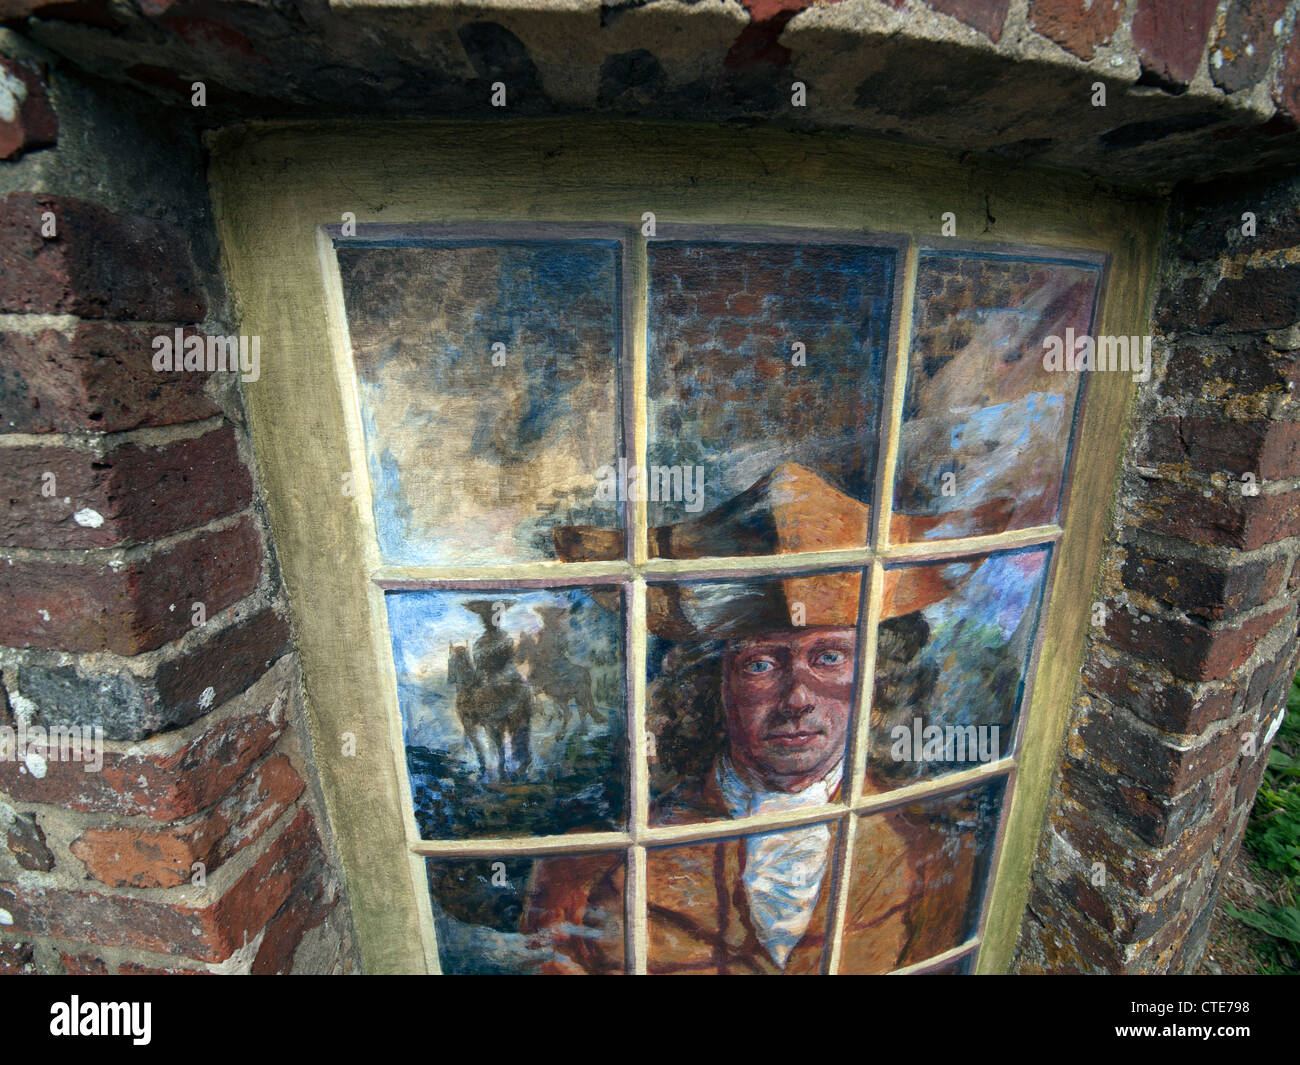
x=787, y=696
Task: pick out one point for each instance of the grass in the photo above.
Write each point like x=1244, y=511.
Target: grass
x=1273, y=839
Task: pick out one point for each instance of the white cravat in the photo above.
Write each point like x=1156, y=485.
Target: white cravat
x=783, y=869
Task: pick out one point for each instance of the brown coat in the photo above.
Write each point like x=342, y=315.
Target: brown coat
x=906, y=900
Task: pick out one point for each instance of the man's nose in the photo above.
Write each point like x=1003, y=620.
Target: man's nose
x=799, y=697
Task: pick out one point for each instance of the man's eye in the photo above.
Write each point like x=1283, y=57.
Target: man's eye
x=758, y=666
x=830, y=658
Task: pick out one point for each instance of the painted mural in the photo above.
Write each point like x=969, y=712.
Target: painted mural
x=986, y=428
x=488, y=384
x=761, y=354
x=764, y=409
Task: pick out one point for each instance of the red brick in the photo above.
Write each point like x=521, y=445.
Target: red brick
x=26, y=842
x=987, y=16
x=98, y=377
x=1246, y=366
x=153, y=858
x=1266, y=297
x=1246, y=43
x=1171, y=707
x=1270, y=450
x=71, y=606
x=1151, y=759
x=34, y=124
x=1077, y=26
x=211, y=934
x=1158, y=820
x=164, y=787
x=307, y=906
x=1170, y=36
x=1286, y=83
x=172, y=692
x=1224, y=518
x=1188, y=649
x=133, y=968
x=1211, y=589
x=140, y=493
x=83, y=964
x=228, y=664
x=17, y=958
x=1143, y=869
x=100, y=265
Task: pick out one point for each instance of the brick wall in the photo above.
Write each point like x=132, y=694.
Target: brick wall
x=127, y=496
x=1192, y=666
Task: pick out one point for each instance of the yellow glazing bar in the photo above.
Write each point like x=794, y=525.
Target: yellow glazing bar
x=855, y=770
x=635, y=301
x=639, y=786
x=961, y=950
x=895, y=393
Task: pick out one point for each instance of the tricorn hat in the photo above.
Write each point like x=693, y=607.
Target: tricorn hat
x=790, y=510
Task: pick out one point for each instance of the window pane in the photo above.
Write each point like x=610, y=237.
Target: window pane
x=512, y=708
x=488, y=381
x=949, y=676
x=731, y=397
x=755, y=905
x=539, y=916
x=987, y=429
x=917, y=879
x=749, y=689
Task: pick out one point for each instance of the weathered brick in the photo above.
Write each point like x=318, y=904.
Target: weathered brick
x=1286, y=82
x=99, y=376
x=1125, y=918
x=1265, y=297
x=1219, y=517
x=26, y=842
x=134, y=968
x=71, y=606
x=100, y=265
x=17, y=958
x=1156, y=819
x=153, y=858
x=128, y=495
x=1241, y=367
x=987, y=16
x=165, y=784
x=1172, y=707
x=83, y=964
x=1212, y=589
x=216, y=666
x=1068, y=940
x=1268, y=449
x=1170, y=37
x=1151, y=759
x=1077, y=26
x=1240, y=54
x=1141, y=868
x=211, y=933
x=308, y=904
x=31, y=122
x=1187, y=648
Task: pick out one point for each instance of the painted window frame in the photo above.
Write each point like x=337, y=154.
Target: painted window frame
x=279, y=213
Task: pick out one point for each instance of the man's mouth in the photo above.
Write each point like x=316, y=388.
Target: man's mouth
x=800, y=738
